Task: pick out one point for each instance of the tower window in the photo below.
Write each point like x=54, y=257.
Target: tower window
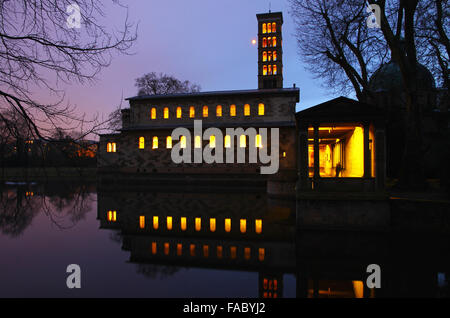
x=274, y=27
x=153, y=113
x=261, y=109
x=264, y=42
x=227, y=141
x=274, y=55
x=166, y=112
x=205, y=111
x=269, y=41
x=274, y=41
x=265, y=56
x=212, y=224
x=247, y=110
x=141, y=142
x=269, y=28
x=178, y=112
x=274, y=70
x=227, y=225
x=264, y=28
x=197, y=142
x=155, y=143
x=265, y=70
x=269, y=55
x=169, y=142
x=183, y=142
x=243, y=141
x=219, y=111
x=233, y=110
x=191, y=112
x=269, y=70
x=111, y=147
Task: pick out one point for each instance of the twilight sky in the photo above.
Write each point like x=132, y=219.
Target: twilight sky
x=204, y=41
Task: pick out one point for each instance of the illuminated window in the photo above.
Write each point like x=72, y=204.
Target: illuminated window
x=269, y=71
x=274, y=41
x=258, y=141
x=219, y=111
x=261, y=253
x=154, y=248
x=183, y=224
x=265, y=56
x=155, y=222
x=269, y=41
x=264, y=42
x=219, y=251
x=284, y=154
x=264, y=28
x=169, y=142
x=243, y=141
x=198, y=142
x=227, y=141
x=178, y=112
x=233, y=252
x=205, y=250
x=166, y=112
x=111, y=147
x=258, y=226
x=269, y=28
x=243, y=225
x=269, y=56
x=111, y=216
x=179, y=249
x=274, y=70
x=261, y=109
x=274, y=55
x=191, y=112
x=155, y=143
x=212, y=225
x=141, y=142
x=192, y=249
x=142, y=221
x=205, y=111
x=198, y=224
x=247, y=253
x=274, y=27
x=227, y=225
x=169, y=223
x=233, y=110
x=265, y=70
x=212, y=141
x=246, y=110
x=153, y=113
x=166, y=248
x=183, y=142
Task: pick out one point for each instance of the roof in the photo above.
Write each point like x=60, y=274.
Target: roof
x=340, y=109
x=258, y=92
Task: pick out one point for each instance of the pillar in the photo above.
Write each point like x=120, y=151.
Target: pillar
x=302, y=158
x=367, y=156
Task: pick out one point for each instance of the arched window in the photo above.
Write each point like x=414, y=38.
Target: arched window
x=269, y=41
x=198, y=142
x=141, y=142
x=169, y=142
x=246, y=110
x=264, y=28
x=113, y=147
x=233, y=110
x=274, y=55
x=227, y=225
x=269, y=70
x=274, y=27
x=265, y=56
x=265, y=70
x=109, y=147
x=166, y=112
x=227, y=141
x=258, y=141
x=264, y=42
x=219, y=111
x=212, y=141
x=191, y=112
x=183, y=142
x=243, y=141
x=269, y=56
x=274, y=41
x=178, y=112
x=153, y=113
x=261, y=109
x=155, y=142
x=274, y=70
x=269, y=28
x=205, y=111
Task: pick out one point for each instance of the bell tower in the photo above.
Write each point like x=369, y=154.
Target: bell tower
x=270, y=50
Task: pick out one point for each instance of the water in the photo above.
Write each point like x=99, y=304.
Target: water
x=43, y=229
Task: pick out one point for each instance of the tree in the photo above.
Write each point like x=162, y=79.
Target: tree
x=39, y=43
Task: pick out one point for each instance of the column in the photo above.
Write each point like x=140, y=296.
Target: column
x=302, y=158
x=367, y=156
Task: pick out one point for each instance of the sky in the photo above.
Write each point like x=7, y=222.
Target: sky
x=204, y=41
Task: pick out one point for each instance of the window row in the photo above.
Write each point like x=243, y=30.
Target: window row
x=211, y=225
x=269, y=42
x=205, y=111
x=269, y=27
x=270, y=70
x=269, y=56
x=205, y=249
x=198, y=142
x=111, y=147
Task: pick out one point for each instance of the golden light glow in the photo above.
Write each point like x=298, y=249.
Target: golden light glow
x=183, y=224
x=169, y=223
x=155, y=222
x=274, y=55
x=212, y=141
x=284, y=154
x=264, y=56
x=274, y=27
x=169, y=142
x=219, y=251
x=142, y=221
x=261, y=109
x=141, y=142
x=155, y=143
x=153, y=113
x=198, y=224
x=198, y=142
x=111, y=216
x=166, y=248
x=274, y=41
x=233, y=110
x=261, y=253
x=265, y=70
x=269, y=42
x=219, y=111
x=264, y=28
x=205, y=251
x=264, y=42
x=269, y=28
x=205, y=111
x=227, y=141
x=166, y=112
x=179, y=249
x=243, y=141
x=212, y=225
x=183, y=142
x=253, y=41
x=358, y=288
x=246, y=110
x=247, y=253
x=258, y=141
x=227, y=225
x=269, y=71
x=258, y=226
x=191, y=112
x=243, y=225
x=179, y=112
x=113, y=147
x=154, y=248
x=274, y=70
x=233, y=252
x=192, y=249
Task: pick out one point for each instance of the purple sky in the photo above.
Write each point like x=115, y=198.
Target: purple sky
x=206, y=42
